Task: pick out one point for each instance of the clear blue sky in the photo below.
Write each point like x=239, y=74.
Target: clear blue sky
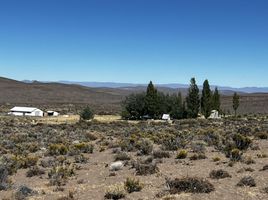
x=167, y=41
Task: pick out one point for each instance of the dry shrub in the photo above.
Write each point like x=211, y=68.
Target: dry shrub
x=161, y=154
x=216, y=159
x=219, y=174
x=115, y=192
x=84, y=147
x=247, y=169
x=146, y=169
x=58, y=175
x=247, y=181
x=265, y=167
x=4, y=181
x=23, y=192
x=70, y=196
x=145, y=146
x=235, y=155
x=198, y=147
x=80, y=159
x=189, y=185
x=199, y=156
x=242, y=142
x=35, y=171
x=133, y=185
x=25, y=161
x=262, y=135
x=91, y=136
x=248, y=160
x=122, y=156
x=57, y=149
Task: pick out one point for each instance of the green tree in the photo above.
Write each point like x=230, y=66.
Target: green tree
x=87, y=114
x=152, y=101
x=176, y=106
x=216, y=100
x=134, y=106
x=184, y=110
x=206, y=100
x=163, y=104
x=193, y=100
x=236, y=102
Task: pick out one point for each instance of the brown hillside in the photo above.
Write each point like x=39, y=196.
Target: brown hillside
x=72, y=97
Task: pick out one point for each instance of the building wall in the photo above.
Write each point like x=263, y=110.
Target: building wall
x=35, y=113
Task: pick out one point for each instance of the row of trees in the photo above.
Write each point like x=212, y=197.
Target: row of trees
x=153, y=104
x=209, y=100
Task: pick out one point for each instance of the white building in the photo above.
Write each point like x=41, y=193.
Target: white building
x=26, y=111
x=52, y=113
x=166, y=117
x=214, y=115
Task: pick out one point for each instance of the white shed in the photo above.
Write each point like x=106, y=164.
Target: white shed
x=166, y=117
x=26, y=111
x=214, y=115
x=52, y=113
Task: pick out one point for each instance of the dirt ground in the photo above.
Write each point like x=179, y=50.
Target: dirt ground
x=92, y=179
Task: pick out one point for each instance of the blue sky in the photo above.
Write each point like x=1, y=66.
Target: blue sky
x=134, y=41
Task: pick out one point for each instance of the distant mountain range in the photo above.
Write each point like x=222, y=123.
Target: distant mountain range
x=130, y=86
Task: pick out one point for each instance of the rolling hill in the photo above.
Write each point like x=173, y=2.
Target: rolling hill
x=71, y=97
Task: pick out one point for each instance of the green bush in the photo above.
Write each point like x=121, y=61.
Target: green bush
x=182, y=154
x=25, y=161
x=86, y=114
x=57, y=149
x=133, y=185
x=84, y=147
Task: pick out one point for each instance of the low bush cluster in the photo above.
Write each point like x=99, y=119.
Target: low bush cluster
x=115, y=192
x=133, y=185
x=219, y=174
x=189, y=185
x=247, y=181
x=58, y=175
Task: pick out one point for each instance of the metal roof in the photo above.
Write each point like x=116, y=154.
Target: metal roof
x=23, y=109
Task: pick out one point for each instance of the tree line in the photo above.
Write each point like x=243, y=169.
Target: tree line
x=153, y=104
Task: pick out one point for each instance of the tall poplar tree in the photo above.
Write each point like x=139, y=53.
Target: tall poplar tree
x=206, y=106
x=216, y=100
x=193, y=100
x=151, y=101
x=236, y=102
x=176, y=107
